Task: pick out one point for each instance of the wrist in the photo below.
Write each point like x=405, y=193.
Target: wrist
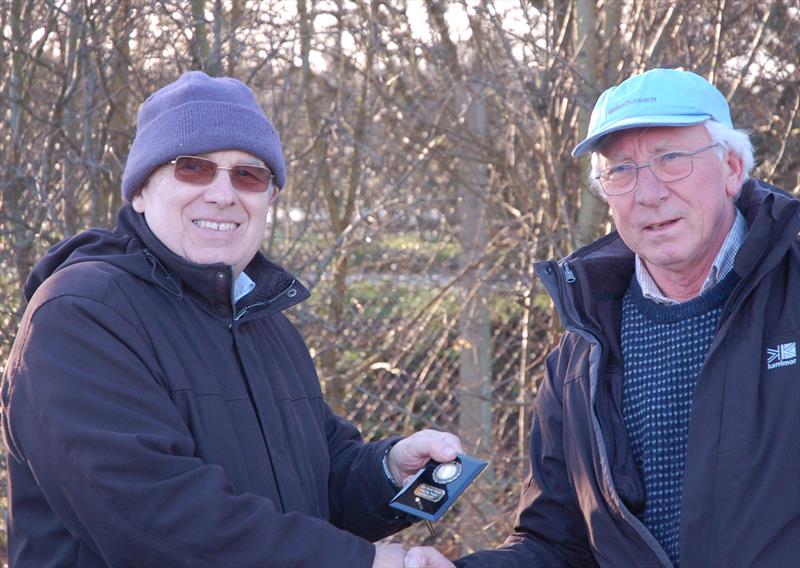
x=387, y=470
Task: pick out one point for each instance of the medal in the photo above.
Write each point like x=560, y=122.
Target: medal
x=447, y=472
x=435, y=487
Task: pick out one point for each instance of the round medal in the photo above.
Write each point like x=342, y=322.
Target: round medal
x=447, y=472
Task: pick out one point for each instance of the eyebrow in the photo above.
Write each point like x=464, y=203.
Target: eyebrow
x=662, y=147
x=242, y=162
x=250, y=161
x=665, y=147
x=618, y=158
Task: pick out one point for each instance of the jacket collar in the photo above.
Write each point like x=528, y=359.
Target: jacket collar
x=603, y=269
x=210, y=285
x=773, y=225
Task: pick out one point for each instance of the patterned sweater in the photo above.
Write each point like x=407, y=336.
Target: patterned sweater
x=663, y=349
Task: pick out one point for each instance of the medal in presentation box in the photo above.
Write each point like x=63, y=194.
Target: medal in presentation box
x=435, y=487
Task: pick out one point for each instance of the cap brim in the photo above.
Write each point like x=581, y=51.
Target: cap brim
x=592, y=142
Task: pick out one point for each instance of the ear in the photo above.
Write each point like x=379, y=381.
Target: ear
x=275, y=191
x=734, y=173
x=138, y=202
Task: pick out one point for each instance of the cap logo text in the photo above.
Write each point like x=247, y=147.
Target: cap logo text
x=638, y=100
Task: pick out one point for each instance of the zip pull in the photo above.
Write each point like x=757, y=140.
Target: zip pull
x=568, y=273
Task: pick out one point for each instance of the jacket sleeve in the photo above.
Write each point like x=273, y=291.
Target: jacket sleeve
x=92, y=421
x=359, y=489
x=549, y=529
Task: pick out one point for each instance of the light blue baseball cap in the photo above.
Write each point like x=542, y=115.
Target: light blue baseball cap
x=658, y=97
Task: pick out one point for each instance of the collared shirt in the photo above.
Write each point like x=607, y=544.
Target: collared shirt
x=242, y=286
x=723, y=264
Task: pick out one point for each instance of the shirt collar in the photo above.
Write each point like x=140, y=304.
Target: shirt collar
x=723, y=264
x=242, y=286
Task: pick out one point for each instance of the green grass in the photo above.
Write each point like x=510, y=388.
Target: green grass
x=409, y=248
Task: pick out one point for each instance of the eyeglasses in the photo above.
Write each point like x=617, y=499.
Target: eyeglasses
x=199, y=171
x=667, y=167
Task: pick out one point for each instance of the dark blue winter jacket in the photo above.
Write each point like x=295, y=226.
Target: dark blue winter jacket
x=150, y=422
x=741, y=487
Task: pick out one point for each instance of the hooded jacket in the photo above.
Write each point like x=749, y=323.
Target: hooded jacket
x=741, y=486
x=151, y=422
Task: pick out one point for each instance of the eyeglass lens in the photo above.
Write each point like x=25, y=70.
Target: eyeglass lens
x=199, y=171
x=668, y=167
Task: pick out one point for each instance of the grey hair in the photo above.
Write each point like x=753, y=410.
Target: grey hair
x=734, y=139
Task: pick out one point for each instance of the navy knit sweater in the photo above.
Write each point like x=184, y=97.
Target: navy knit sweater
x=663, y=349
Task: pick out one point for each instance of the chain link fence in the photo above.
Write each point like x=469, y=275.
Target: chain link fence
x=427, y=147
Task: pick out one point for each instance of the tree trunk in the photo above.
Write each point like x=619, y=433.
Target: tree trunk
x=199, y=35
x=475, y=422
x=592, y=209
x=118, y=92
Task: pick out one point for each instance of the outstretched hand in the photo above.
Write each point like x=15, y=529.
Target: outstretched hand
x=410, y=454
x=389, y=556
x=395, y=556
x=426, y=557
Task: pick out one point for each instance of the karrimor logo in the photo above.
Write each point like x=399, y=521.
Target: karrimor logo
x=783, y=355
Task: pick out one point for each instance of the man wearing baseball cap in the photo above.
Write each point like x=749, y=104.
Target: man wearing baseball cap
x=158, y=407
x=667, y=426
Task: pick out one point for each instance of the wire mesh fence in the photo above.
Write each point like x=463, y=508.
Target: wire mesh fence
x=399, y=357
x=427, y=148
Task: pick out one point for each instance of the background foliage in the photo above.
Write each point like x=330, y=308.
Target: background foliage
x=428, y=163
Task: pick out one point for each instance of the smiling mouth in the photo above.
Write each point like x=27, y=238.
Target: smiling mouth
x=215, y=226
x=659, y=226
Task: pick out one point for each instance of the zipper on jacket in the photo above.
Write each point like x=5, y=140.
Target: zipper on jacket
x=570, y=276
x=252, y=398
x=572, y=322
x=267, y=302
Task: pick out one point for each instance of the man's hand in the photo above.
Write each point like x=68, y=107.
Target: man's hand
x=426, y=557
x=395, y=556
x=389, y=556
x=409, y=454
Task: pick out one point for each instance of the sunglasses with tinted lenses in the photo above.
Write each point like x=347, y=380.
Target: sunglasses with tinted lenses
x=200, y=171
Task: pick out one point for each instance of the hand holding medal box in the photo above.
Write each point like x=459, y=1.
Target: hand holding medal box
x=435, y=487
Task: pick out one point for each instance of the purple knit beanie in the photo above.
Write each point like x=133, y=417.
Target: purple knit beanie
x=195, y=115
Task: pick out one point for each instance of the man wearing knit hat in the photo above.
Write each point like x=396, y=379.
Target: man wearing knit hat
x=666, y=429
x=158, y=407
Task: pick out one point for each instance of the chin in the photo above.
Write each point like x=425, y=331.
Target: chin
x=209, y=259
x=662, y=259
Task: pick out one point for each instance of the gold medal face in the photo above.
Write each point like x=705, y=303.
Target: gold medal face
x=447, y=472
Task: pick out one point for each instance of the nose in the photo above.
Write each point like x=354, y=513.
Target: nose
x=220, y=191
x=650, y=191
